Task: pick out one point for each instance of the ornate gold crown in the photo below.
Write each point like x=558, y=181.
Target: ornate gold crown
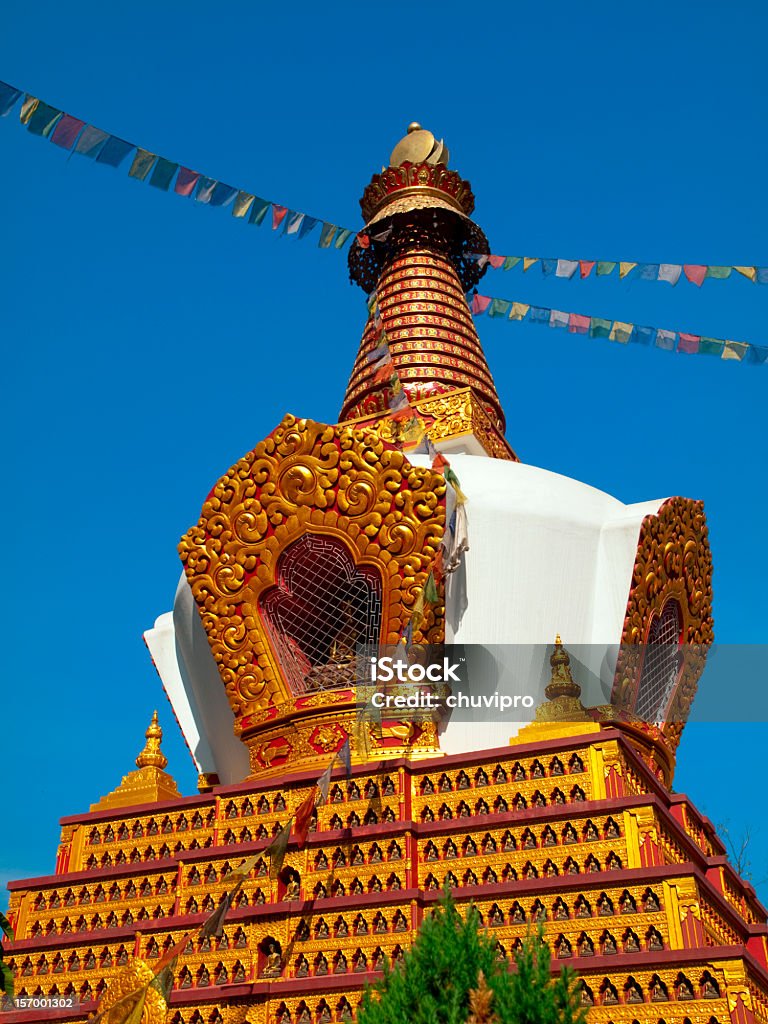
x=415, y=186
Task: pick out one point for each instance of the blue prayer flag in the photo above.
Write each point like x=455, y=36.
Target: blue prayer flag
x=222, y=194
x=43, y=119
x=757, y=354
x=643, y=335
x=548, y=267
x=762, y=275
x=114, y=151
x=204, y=189
x=306, y=226
x=539, y=315
x=8, y=97
x=163, y=173
x=648, y=271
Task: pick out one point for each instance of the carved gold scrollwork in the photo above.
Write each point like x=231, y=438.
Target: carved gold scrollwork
x=307, y=477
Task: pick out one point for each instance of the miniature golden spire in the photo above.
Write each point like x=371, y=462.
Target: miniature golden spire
x=148, y=782
x=561, y=683
x=152, y=756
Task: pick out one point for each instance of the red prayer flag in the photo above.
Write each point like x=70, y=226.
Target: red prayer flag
x=480, y=303
x=303, y=818
x=578, y=324
x=186, y=181
x=278, y=213
x=586, y=267
x=437, y=566
x=695, y=273
x=363, y=240
x=689, y=343
x=439, y=463
x=385, y=372
x=66, y=131
x=496, y=261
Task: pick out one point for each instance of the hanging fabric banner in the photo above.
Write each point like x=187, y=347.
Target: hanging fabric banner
x=623, y=332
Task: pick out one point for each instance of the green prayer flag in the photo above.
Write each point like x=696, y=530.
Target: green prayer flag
x=599, y=328
x=511, y=261
x=163, y=173
x=499, y=307
x=242, y=204
x=326, y=235
x=430, y=590
x=142, y=164
x=276, y=850
x=721, y=273
x=605, y=267
x=259, y=211
x=711, y=346
x=341, y=238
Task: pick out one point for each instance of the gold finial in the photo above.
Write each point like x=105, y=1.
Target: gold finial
x=414, y=126
x=419, y=146
x=151, y=756
x=561, y=683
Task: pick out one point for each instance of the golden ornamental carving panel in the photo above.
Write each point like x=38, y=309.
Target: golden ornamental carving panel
x=307, y=477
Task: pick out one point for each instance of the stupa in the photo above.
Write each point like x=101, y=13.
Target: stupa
x=321, y=539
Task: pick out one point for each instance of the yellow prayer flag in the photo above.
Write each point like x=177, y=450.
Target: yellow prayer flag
x=750, y=272
x=519, y=311
x=136, y=1014
x=621, y=331
x=624, y=268
x=28, y=107
x=735, y=350
x=528, y=262
x=243, y=203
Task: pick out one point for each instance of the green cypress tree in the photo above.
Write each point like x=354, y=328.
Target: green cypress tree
x=452, y=975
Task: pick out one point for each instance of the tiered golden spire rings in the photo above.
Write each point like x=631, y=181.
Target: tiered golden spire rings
x=152, y=756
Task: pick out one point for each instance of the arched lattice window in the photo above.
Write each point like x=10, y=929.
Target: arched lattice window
x=321, y=608
x=661, y=665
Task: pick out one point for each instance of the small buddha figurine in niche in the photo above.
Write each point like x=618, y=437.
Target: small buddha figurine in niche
x=342, y=649
x=274, y=962
x=293, y=886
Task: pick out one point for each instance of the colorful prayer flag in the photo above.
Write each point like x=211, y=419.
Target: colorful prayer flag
x=528, y=262
x=278, y=213
x=496, y=261
x=695, y=273
x=519, y=311
x=621, y=331
x=557, y=318
x=586, y=267
x=304, y=817
x=326, y=235
x=186, y=182
x=762, y=275
x=566, y=268
x=306, y=226
x=142, y=164
x=43, y=119
x=378, y=353
x=626, y=268
x=113, y=152
x=605, y=267
x=578, y=324
x=648, y=271
x=204, y=190
x=549, y=267
x=666, y=340
x=599, y=328
x=91, y=141
x=242, y=203
x=479, y=304
x=28, y=107
x=756, y=354
x=214, y=925
x=719, y=273
x=748, y=272
x=499, y=307
x=277, y=849
x=539, y=314
x=8, y=98
x=66, y=131
x=259, y=211
x=688, y=343
x=711, y=346
x=345, y=756
x=363, y=240
x=324, y=783
x=735, y=350
x=670, y=272
x=163, y=173
x=222, y=194
x=511, y=261
x=431, y=595
x=644, y=336
x=342, y=238
x=293, y=222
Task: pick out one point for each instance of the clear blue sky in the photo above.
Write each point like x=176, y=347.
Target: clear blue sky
x=149, y=342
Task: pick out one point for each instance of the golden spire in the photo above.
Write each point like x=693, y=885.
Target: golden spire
x=561, y=683
x=151, y=756
x=148, y=782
